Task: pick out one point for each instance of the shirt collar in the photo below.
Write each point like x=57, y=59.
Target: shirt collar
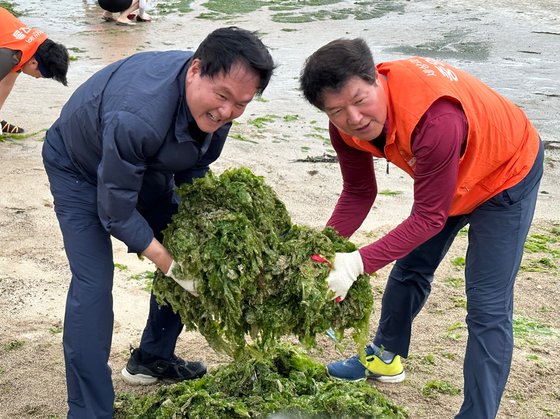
x=385, y=129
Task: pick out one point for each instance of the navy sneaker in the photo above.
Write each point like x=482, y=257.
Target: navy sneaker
x=143, y=368
x=352, y=369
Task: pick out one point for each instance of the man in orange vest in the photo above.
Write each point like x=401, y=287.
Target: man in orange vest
x=26, y=50
x=475, y=159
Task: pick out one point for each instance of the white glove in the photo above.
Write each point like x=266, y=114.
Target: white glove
x=187, y=284
x=347, y=268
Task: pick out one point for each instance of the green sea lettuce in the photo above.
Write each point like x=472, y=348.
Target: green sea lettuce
x=256, y=281
x=285, y=383
x=257, y=284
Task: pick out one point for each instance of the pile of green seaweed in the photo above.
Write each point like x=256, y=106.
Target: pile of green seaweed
x=284, y=384
x=256, y=283
x=254, y=269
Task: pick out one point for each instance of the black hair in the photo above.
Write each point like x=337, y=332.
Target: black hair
x=332, y=65
x=226, y=46
x=55, y=57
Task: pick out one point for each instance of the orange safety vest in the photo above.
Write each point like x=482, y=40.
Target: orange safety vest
x=18, y=37
x=502, y=144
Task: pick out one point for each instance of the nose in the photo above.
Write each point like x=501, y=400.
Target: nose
x=353, y=116
x=226, y=110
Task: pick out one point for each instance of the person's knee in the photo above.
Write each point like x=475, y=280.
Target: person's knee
x=488, y=304
x=489, y=320
x=405, y=277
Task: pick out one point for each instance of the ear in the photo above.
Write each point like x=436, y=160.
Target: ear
x=193, y=70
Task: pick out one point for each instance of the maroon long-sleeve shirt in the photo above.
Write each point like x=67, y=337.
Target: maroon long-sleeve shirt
x=437, y=143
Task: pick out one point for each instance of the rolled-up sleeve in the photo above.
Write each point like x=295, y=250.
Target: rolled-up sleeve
x=127, y=144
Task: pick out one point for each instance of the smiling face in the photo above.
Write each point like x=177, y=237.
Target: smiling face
x=358, y=108
x=215, y=101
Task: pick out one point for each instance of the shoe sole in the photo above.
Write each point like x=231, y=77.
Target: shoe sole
x=357, y=380
x=138, y=379
x=393, y=379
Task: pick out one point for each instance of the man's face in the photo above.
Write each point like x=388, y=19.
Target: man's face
x=215, y=101
x=358, y=109
x=31, y=68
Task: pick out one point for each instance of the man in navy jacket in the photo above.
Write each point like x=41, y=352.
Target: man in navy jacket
x=122, y=142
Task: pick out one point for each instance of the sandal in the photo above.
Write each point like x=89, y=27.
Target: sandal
x=143, y=19
x=8, y=128
x=108, y=18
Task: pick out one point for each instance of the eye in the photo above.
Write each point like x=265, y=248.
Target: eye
x=221, y=97
x=335, y=112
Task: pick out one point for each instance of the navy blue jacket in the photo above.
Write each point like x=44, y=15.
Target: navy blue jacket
x=129, y=127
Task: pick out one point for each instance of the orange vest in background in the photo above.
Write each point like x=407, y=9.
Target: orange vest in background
x=18, y=37
x=502, y=144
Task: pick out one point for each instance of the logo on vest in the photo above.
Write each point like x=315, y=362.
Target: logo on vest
x=21, y=33
x=29, y=34
x=429, y=67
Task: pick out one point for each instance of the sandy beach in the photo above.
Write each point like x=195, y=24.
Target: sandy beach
x=512, y=46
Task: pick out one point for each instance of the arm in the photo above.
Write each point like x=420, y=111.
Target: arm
x=127, y=144
x=159, y=255
x=437, y=142
x=359, y=187
x=6, y=86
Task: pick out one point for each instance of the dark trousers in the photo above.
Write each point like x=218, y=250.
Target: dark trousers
x=88, y=320
x=497, y=232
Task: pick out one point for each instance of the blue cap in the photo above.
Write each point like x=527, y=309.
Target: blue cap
x=42, y=67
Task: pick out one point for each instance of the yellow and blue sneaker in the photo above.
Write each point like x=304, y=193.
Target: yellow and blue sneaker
x=352, y=369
